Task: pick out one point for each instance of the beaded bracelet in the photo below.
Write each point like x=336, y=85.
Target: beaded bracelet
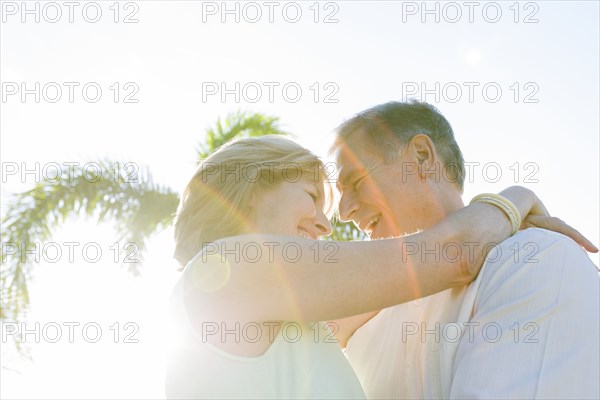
x=511, y=211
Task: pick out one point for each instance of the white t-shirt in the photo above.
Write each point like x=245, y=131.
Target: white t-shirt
x=390, y=352
x=304, y=361
x=527, y=327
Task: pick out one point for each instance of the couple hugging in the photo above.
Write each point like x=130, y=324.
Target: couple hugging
x=439, y=306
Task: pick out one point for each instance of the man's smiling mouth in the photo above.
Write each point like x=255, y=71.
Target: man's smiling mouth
x=371, y=223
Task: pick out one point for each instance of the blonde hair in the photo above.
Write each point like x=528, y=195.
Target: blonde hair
x=216, y=203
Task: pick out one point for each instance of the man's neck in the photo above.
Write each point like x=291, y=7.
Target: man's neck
x=441, y=207
x=453, y=203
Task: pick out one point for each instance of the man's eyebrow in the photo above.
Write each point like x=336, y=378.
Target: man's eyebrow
x=346, y=176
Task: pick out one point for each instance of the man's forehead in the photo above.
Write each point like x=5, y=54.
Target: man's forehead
x=345, y=172
x=347, y=158
x=352, y=159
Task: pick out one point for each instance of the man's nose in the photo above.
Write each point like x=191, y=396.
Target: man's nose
x=348, y=206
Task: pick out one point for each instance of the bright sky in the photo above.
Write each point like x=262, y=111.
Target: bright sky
x=518, y=81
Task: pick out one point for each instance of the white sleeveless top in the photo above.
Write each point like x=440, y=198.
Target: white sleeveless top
x=303, y=361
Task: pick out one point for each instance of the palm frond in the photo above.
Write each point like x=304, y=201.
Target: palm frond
x=238, y=125
x=138, y=208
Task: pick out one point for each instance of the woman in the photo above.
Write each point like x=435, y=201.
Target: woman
x=256, y=277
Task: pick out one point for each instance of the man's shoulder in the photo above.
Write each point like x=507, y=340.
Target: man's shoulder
x=538, y=233
x=538, y=254
x=539, y=238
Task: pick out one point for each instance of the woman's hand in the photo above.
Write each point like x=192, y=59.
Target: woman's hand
x=558, y=225
x=539, y=217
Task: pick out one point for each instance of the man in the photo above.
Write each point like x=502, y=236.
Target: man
x=528, y=327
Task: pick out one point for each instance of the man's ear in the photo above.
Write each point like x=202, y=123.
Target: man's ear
x=423, y=153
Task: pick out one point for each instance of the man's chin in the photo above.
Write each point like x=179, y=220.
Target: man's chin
x=381, y=237
x=376, y=235
x=379, y=234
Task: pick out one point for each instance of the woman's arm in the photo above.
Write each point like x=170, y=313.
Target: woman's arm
x=272, y=278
